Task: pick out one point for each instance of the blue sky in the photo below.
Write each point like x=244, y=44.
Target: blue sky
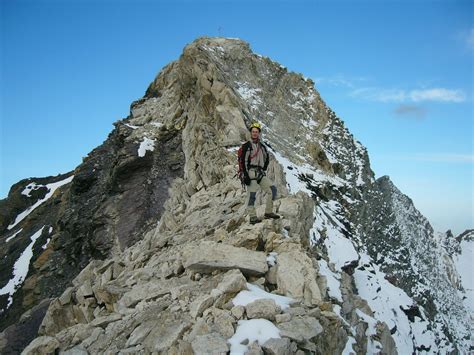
x=399, y=73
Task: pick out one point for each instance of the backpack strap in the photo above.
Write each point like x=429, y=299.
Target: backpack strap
x=267, y=156
x=246, y=146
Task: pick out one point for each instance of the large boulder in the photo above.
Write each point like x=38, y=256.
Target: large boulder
x=42, y=345
x=212, y=343
x=300, y=328
x=233, y=282
x=276, y=346
x=262, y=308
x=210, y=256
x=296, y=277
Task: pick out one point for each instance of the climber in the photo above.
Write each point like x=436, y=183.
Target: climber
x=254, y=163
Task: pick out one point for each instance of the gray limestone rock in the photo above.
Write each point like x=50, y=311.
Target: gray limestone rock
x=166, y=332
x=296, y=277
x=300, y=328
x=212, y=343
x=210, y=256
x=200, y=304
x=262, y=308
x=238, y=311
x=42, y=345
x=233, y=282
x=280, y=346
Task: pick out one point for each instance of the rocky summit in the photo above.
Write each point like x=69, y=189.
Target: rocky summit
x=146, y=246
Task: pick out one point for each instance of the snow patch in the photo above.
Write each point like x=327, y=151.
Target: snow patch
x=328, y=228
x=52, y=188
x=233, y=149
x=463, y=262
x=349, y=350
x=254, y=293
x=332, y=279
x=20, y=269
x=46, y=244
x=271, y=258
x=387, y=301
x=13, y=236
x=249, y=94
x=30, y=187
x=146, y=144
x=293, y=171
x=259, y=330
x=373, y=346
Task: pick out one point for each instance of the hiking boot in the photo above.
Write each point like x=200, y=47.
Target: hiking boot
x=254, y=219
x=272, y=215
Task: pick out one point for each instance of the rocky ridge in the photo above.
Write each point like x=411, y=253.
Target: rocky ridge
x=171, y=282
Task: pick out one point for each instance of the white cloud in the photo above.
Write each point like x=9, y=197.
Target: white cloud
x=382, y=95
x=400, y=95
x=438, y=94
x=340, y=80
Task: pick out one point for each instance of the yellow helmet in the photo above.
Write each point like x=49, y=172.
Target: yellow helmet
x=256, y=125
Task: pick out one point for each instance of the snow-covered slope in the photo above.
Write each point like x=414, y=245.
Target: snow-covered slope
x=370, y=225
x=463, y=265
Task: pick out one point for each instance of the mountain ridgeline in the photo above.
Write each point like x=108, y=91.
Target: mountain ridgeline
x=145, y=247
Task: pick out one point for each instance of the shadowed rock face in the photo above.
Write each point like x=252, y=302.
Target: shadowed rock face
x=114, y=195
x=150, y=243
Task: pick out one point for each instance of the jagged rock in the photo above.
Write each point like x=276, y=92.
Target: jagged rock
x=262, y=308
x=139, y=333
x=300, y=328
x=42, y=345
x=200, y=304
x=105, y=320
x=298, y=210
x=238, y=311
x=108, y=295
x=74, y=335
x=84, y=291
x=233, y=282
x=166, y=332
x=86, y=274
x=224, y=323
x=385, y=338
x=296, y=277
x=66, y=296
x=57, y=318
x=296, y=311
x=199, y=328
x=334, y=338
x=249, y=239
x=93, y=338
x=277, y=346
x=212, y=343
x=254, y=349
x=280, y=318
x=210, y=256
x=151, y=290
x=77, y=350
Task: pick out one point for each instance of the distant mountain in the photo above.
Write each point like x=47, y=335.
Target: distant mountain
x=146, y=247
